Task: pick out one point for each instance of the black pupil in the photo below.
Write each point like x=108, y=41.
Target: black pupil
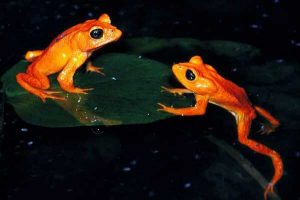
x=96, y=33
x=190, y=75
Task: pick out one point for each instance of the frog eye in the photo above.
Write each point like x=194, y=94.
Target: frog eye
x=96, y=33
x=189, y=74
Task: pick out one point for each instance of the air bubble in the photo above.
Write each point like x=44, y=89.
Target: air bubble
x=97, y=131
x=30, y=143
x=187, y=185
x=24, y=130
x=151, y=194
x=133, y=162
x=126, y=169
x=197, y=156
x=155, y=151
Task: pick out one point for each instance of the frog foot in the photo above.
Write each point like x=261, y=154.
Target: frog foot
x=79, y=90
x=269, y=190
x=91, y=68
x=266, y=129
x=164, y=108
x=170, y=90
x=176, y=91
x=49, y=94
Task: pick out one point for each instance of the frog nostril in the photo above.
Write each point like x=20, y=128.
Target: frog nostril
x=189, y=74
x=177, y=66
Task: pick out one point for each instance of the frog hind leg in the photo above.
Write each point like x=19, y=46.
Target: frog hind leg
x=36, y=84
x=273, y=122
x=31, y=56
x=244, y=125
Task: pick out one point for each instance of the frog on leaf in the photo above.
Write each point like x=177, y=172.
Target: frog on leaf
x=65, y=54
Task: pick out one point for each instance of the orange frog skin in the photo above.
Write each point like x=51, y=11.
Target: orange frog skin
x=65, y=54
x=208, y=86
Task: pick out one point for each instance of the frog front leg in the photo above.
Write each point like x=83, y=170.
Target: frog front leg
x=65, y=78
x=198, y=109
x=176, y=91
x=91, y=68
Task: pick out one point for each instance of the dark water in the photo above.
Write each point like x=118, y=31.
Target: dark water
x=166, y=159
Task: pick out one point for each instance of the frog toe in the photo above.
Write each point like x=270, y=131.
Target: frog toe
x=80, y=90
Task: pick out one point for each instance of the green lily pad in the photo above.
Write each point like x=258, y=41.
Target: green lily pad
x=127, y=94
x=131, y=89
x=174, y=49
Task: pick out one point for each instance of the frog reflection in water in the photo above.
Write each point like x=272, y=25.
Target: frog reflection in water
x=66, y=53
x=208, y=86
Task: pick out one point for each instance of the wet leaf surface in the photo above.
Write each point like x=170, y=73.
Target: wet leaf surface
x=127, y=94
x=131, y=88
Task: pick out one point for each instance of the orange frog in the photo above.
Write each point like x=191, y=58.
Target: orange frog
x=208, y=86
x=65, y=54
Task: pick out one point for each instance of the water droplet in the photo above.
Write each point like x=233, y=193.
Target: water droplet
x=24, y=130
x=297, y=154
x=97, y=130
x=254, y=26
x=279, y=60
x=79, y=99
x=30, y=143
x=155, y=151
x=96, y=108
x=151, y=194
x=90, y=14
x=197, y=156
x=133, y=162
x=121, y=13
x=113, y=78
x=234, y=69
x=139, y=57
x=76, y=7
x=58, y=16
x=126, y=169
x=187, y=185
